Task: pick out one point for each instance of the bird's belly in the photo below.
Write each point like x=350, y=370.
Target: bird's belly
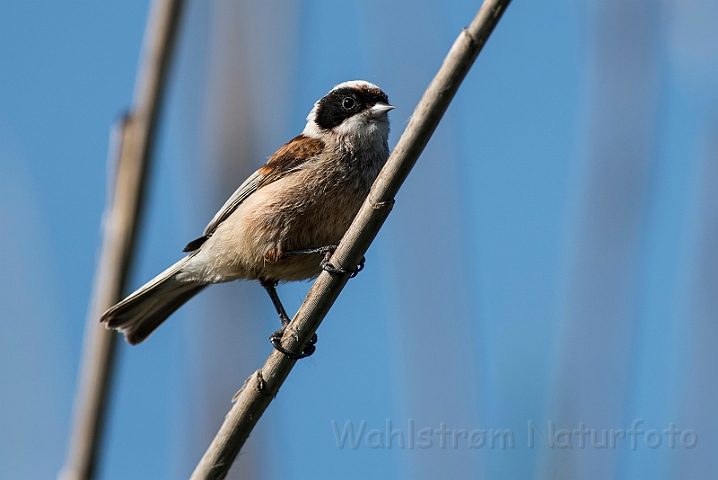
x=270, y=221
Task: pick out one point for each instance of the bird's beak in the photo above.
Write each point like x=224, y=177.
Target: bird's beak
x=380, y=109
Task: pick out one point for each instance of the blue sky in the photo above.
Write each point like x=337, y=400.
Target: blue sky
x=550, y=259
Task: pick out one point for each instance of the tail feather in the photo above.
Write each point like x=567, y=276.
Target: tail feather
x=138, y=315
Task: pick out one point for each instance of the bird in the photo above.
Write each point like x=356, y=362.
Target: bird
x=284, y=221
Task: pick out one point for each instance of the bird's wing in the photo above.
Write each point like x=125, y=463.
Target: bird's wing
x=290, y=157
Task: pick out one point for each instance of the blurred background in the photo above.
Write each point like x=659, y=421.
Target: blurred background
x=551, y=261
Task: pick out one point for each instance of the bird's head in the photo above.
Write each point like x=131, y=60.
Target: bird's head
x=355, y=109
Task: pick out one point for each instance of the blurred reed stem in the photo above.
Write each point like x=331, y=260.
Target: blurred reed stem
x=130, y=151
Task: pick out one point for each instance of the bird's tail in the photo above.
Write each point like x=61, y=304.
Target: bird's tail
x=139, y=314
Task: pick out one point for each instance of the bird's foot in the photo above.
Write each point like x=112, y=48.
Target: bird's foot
x=340, y=271
x=309, y=348
x=327, y=251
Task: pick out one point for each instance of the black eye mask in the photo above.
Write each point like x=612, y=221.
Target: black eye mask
x=340, y=104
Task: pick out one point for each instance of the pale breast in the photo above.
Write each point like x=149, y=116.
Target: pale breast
x=307, y=209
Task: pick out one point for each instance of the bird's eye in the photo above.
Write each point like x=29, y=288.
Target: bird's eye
x=348, y=103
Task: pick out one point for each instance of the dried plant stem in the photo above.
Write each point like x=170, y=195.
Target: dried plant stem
x=130, y=150
x=260, y=388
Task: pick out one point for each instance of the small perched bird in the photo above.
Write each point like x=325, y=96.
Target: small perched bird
x=272, y=229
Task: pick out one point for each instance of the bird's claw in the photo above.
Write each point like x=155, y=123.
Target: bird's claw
x=328, y=251
x=340, y=271
x=309, y=348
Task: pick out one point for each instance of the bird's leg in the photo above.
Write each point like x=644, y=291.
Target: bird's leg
x=276, y=337
x=269, y=286
x=327, y=251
